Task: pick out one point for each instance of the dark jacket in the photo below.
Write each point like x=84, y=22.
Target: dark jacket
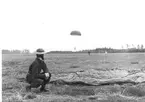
x=37, y=70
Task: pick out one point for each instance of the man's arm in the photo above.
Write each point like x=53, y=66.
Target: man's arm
x=45, y=69
x=35, y=73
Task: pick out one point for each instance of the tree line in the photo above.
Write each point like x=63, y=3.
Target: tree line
x=25, y=51
x=103, y=50
x=128, y=49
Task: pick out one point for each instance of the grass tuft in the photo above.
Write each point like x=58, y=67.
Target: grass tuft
x=15, y=98
x=71, y=90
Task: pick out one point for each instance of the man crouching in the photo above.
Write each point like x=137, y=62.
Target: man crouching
x=38, y=74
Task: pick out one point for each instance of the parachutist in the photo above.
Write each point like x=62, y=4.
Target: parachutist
x=89, y=53
x=75, y=33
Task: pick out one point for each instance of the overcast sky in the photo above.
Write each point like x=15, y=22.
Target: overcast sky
x=47, y=24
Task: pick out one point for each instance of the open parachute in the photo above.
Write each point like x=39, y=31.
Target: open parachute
x=75, y=33
x=75, y=40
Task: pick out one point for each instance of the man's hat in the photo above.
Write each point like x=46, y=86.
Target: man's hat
x=40, y=51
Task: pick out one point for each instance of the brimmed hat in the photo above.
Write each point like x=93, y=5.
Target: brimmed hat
x=40, y=51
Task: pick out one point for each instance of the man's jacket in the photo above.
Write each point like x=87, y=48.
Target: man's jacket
x=37, y=70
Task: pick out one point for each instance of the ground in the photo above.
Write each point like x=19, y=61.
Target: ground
x=15, y=68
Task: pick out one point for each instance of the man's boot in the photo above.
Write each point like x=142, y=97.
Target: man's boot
x=42, y=89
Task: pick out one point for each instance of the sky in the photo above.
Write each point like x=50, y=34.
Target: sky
x=47, y=24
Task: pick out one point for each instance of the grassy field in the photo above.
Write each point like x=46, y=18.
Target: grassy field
x=15, y=67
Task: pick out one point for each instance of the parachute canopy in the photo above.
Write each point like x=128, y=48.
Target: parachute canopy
x=75, y=33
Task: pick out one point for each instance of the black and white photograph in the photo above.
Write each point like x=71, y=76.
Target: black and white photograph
x=72, y=50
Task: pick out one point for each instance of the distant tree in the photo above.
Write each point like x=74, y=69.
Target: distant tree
x=142, y=46
x=26, y=51
x=15, y=52
x=133, y=46
x=6, y=51
x=127, y=46
x=122, y=46
x=138, y=47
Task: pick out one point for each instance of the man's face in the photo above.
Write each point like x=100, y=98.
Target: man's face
x=41, y=56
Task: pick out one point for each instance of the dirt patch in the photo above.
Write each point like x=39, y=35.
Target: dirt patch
x=134, y=91
x=134, y=62
x=74, y=66
x=72, y=90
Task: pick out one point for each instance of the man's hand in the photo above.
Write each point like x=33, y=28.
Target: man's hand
x=47, y=75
